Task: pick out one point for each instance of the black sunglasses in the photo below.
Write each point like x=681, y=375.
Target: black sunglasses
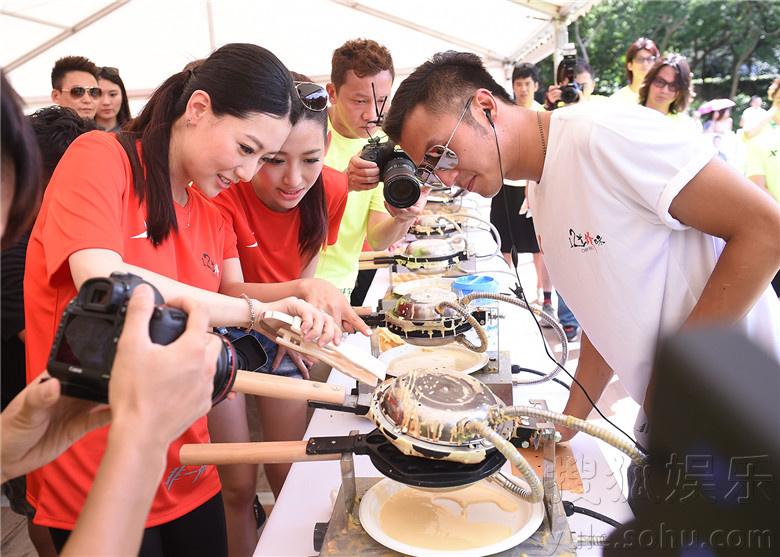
x=108, y=70
x=78, y=91
x=313, y=96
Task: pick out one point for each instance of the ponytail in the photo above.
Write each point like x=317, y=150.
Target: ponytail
x=151, y=180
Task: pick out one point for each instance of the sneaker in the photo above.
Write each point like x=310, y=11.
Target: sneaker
x=572, y=332
x=548, y=309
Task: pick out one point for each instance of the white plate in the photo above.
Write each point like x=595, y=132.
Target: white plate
x=422, y=284
x=523, y=521
x=407, y=357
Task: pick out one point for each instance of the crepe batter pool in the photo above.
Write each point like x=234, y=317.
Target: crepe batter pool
x=422, y=519
x=431, y=358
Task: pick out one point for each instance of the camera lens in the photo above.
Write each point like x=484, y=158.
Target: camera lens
x=401, y=187
x=570, y=93
x=226, y=372
x=245, y=353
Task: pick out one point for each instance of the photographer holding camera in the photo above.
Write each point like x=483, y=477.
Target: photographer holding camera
x=155, y=393
x=362, y=75
x=569, y=89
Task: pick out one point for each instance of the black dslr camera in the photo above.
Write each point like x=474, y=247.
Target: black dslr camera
x=85, y=345
x=570, y=93
x=396, y=170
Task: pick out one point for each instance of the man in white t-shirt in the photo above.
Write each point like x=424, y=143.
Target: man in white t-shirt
x=642, y=230
x=752, y=114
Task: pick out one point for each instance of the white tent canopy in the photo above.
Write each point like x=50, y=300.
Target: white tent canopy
x=148, y=40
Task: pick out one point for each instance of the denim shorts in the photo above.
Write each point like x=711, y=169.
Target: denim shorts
x=287, y=367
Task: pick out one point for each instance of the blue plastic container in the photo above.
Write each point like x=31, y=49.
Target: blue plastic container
x=463, y=286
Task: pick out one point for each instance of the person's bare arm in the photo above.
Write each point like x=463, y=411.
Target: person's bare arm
x=594, y=375
x=225, y=310
x=721, y=202
x=317, y=292
x=384, y=230
x=760, y=123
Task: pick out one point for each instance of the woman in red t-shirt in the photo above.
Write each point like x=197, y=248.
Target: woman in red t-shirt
x=282, y=219
x=124, y=203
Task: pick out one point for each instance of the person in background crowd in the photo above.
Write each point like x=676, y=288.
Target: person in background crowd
x=763, y=156
x=719, y=122
x=361, y=78
x=125, y=202
x=667, y=89
x=55, y=128
x=640, y=57
x=768, y=120
x=282, y=218
x=586, y=77
x=74, y=84
x=113, y=107
x=762, y=161
x=752, y=114
x=39, y=423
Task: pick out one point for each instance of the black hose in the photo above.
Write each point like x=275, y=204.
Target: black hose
x=571, y=508
x=518, y=369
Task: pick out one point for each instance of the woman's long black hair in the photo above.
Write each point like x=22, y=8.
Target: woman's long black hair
x=241, y=79
x=20, y=150
x=313, y=208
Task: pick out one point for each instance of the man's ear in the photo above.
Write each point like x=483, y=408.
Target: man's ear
x=486, y=103
x=327, y=143
x=331, y=93
x=55, y=96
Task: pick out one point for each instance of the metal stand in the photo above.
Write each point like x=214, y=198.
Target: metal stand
x=343, y=534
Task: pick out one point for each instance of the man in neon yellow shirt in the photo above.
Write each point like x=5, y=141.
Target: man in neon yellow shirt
x=362, y=73
x=763, y=158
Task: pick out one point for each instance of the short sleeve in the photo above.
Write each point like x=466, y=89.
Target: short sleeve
x=647, y=158
x=86, y=196
x=378, y=199
x=336, y=190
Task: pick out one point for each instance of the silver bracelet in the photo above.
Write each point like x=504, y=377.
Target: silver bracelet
x=251, y=312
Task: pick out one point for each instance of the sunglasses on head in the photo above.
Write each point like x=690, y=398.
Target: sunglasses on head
x=313, y=96
x=109, y=71
x=78, y=91
x=439, y=157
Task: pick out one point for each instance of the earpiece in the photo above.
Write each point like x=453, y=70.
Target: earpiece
x=487, y=113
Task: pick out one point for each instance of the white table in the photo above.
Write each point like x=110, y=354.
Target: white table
x=306, y=496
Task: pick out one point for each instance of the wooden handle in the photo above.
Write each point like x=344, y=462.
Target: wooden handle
x=368, y=265
x=289, y=388
x=249, y=453
x=369, y=255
